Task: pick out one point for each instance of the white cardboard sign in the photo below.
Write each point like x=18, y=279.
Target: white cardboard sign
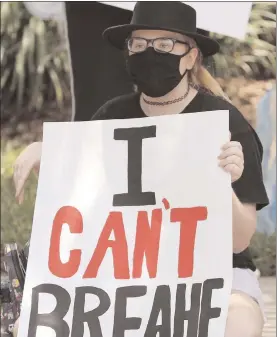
x=132, y=231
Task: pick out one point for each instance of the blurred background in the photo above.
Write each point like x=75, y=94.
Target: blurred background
x=35, y=87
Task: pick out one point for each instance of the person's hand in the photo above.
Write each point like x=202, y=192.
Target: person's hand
x=27, y=161
x=231, y=159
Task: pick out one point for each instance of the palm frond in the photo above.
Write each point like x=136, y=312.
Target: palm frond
x=34, y=63
x=255, y=57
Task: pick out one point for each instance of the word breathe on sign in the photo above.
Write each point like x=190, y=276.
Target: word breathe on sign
x=165, y=319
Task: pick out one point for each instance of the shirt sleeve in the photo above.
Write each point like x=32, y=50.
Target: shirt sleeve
x=110, y=110
x=250, y=187
x=101, y=114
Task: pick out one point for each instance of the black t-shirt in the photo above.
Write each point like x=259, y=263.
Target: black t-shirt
x=250, y=187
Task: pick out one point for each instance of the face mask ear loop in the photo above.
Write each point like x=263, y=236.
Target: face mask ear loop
x=181, y=56
x=184, y=74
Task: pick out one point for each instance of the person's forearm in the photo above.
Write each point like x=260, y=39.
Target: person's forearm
x=244, y=224
x=15, y=329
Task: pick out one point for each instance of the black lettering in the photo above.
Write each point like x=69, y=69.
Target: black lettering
x=91, y=317
x=54, y=319
x=135, y=196
x=123, y=323
x=161, y=304
x=208, y=313
x=181, y=314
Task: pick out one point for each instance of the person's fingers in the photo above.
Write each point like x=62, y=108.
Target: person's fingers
x=233, y=170
x=231, y=151
x=231, y=144
x=232, y=160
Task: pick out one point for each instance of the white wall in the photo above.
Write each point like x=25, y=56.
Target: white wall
x=226, y=18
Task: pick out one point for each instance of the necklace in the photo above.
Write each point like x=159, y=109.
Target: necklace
x=176, y=100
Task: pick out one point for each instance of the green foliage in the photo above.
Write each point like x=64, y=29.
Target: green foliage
x=255, y=57
x=34, y=65
x=263, y=250
x=16, y=220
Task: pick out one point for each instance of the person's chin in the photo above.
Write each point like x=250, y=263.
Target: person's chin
x=156, y=97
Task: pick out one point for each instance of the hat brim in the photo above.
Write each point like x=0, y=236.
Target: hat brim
x=117, y=36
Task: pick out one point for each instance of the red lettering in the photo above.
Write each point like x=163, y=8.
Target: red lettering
x=119, y=248
x=188, y=218
x=71, y=216
x=147, y=243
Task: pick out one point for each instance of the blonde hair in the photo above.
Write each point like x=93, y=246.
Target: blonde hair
x=200, y=76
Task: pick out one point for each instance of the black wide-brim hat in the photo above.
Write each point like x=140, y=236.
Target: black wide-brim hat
x=173, y=16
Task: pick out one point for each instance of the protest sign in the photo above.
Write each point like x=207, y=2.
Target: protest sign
x=220, y=20
x=132, y=231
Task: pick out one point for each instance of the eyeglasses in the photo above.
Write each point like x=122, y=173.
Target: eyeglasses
x=161, y=45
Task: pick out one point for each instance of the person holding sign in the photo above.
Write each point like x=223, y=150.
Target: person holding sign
x=164, y=52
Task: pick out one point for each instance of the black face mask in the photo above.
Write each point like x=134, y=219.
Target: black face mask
x=155, y=74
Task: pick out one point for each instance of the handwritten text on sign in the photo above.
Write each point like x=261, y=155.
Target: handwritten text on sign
x=127, y=221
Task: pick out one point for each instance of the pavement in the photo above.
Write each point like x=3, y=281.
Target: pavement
x=268, y=285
